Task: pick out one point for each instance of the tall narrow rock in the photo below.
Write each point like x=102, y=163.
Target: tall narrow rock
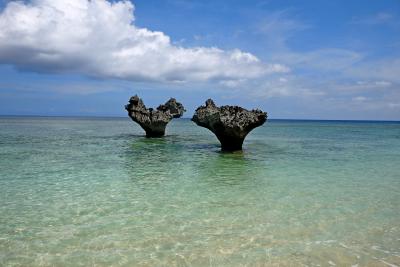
x=230, y=124
x=154, y=121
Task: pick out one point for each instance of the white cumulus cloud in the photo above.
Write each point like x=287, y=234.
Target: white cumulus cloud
x=99, y=38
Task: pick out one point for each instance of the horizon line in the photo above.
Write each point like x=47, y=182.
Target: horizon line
x=114, y=116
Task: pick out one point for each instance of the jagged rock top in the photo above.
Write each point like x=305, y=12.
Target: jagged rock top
x=171, y=108
x=175, y=108
x=154, y=121
x=230, y=124
x=136, y=103
x=230, y=117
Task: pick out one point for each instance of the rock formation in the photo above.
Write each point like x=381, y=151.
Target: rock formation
x=230, y=124
x=154, y=121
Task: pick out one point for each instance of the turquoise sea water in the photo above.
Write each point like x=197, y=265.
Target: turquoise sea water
x=95, y=192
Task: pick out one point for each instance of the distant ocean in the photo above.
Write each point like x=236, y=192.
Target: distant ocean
x=96, y=192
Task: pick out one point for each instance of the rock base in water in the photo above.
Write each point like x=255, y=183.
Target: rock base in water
x=230, y=124
x=153, y=121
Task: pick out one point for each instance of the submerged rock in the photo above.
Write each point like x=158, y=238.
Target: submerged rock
x=154, y=121
x=230, y=124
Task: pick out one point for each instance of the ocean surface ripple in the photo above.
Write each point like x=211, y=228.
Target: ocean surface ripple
x=96, y=192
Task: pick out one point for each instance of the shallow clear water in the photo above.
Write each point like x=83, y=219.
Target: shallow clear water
x=95, y=192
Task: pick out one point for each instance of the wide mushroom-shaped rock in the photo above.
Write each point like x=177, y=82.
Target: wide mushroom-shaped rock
x=230, y=124
x=154, y=121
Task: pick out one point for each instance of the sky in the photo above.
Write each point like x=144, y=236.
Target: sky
x=294, y=59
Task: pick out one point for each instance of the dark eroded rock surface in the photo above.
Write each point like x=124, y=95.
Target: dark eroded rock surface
x=230, y=124
x=154, y=121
